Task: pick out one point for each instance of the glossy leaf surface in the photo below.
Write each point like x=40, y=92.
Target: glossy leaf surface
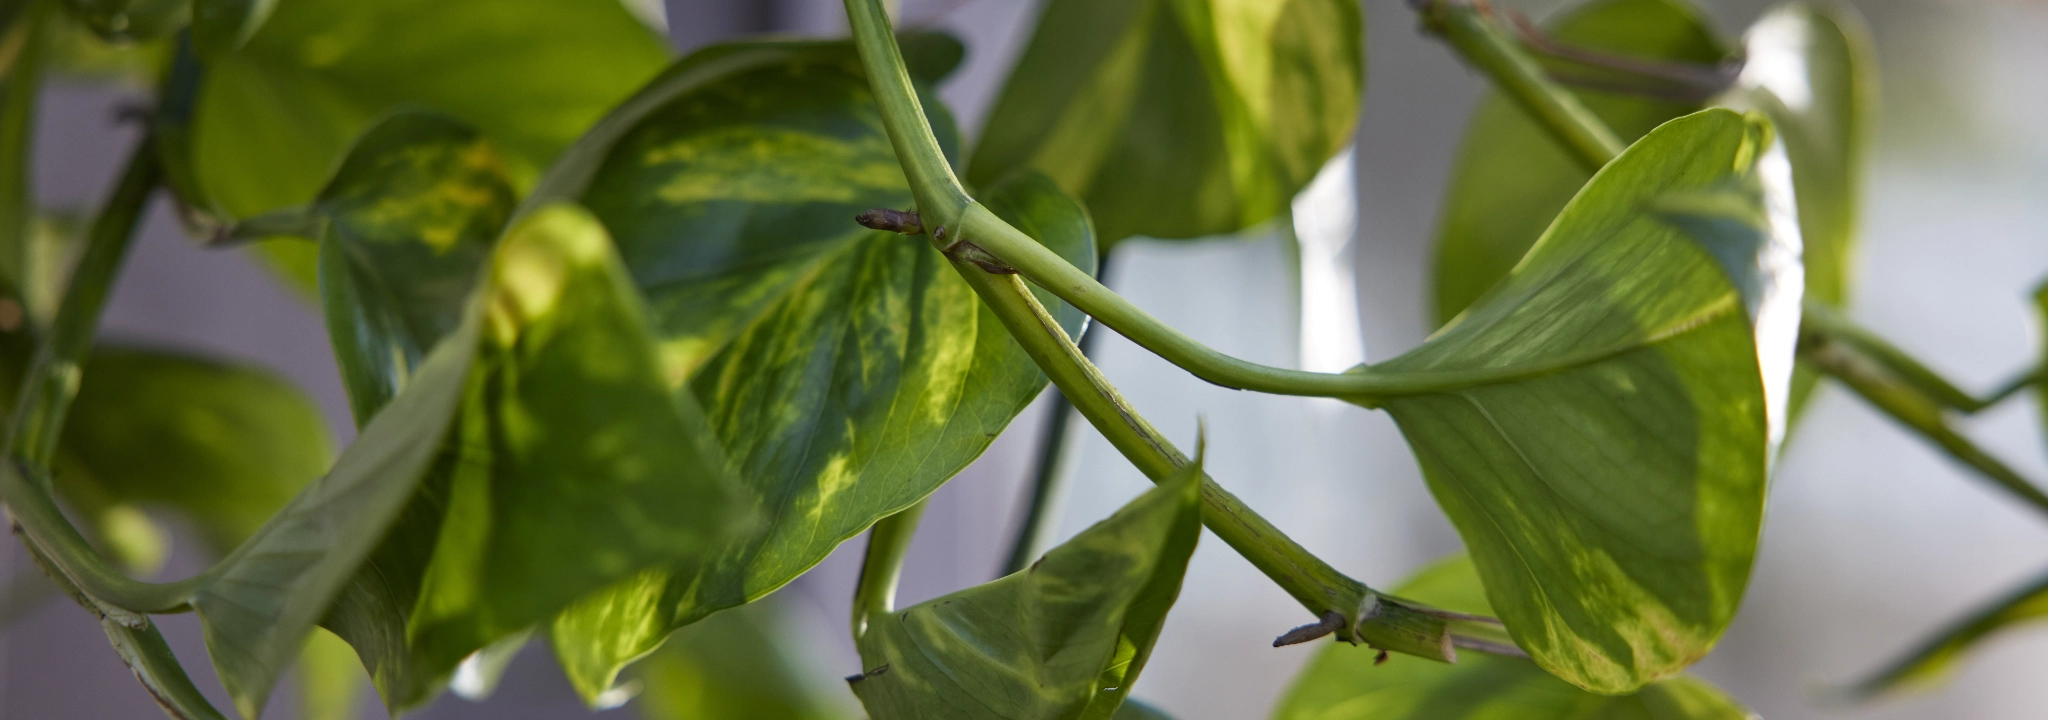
x=1064, y=638
x=404, y=225
x=1512, y=178
x=571, y=467
x=847, y=372
x=1616, y=401
x=1179, y=119
x=1345, y=682
x=275, y=116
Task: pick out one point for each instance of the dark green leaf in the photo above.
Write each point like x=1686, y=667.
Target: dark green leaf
x=1616, y=400
x=1347, y=683
x=1512, y=178
x=740, y=663
x=1065, y=638
x=129, y=19
x=259, y=604
x=1180, y=119
x=403, y=227
x=847, y=372
x=220, y=26
x=275, y=116
x=224, y=445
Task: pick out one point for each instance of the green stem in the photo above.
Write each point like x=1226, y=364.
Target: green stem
x=1906, y=404
x=882, y=566
x=940, y=197
x=47, y=392
x=1467, y=27
x=1820, y=318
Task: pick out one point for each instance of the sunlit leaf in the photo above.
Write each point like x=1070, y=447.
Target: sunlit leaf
x=1179, y=119
x=847, y=372
x=1350, y=683
x=572, y=467
x=741, y=663
x=331, y=679
x=1617, y=401
x=1512, y=177
x=275, y=115
x=1065, y=638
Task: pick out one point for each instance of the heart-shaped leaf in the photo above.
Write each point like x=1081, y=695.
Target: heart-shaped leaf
x=1512, y=178
x=1065, y=638
x=275, y=116
x=1179, y=119
x=1350, y=683
x=847, y=372
x=1609, y=410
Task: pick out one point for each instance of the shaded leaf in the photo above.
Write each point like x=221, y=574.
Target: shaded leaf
x=220, y=26
x=129, y=19
x=1065, y=638
x=403, y=227
x=1611, y=407
x=1512, y=177
x=1179, y=119
x=847, y=372
x=222, y=444
x=1348, y=683
x=740, y=663
x=258, y=606
x=275, y=116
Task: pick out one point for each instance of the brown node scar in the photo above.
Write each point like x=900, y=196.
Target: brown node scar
x=896, y=221
x=1331, y=621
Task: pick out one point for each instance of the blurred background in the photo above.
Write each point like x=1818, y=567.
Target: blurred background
x=1872, y=539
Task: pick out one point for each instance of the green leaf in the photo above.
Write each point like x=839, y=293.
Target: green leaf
x=1065, y=638
x=572, y=467
x=1935, y=658
x=1180, y=119
x=403, y=227
x=128, y=20
x=331, y=679
x=741, y=663
x=258, y=606
x=222, y=444
x=1811, y=69
x=275, y=116
x=847, y=372
x=20, y=83
x=220, y=26
x=1512, y=178
x=1611, y=407
x=1348, y=683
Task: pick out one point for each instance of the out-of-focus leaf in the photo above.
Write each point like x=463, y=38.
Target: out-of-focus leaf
x=71, y=51
x=260, y=604
x=128, y=20
x=1936, y=657
x=1138, y=710
x=1179, y=119
x=222, y=444
x=403, y=227
x=572, y=467
x=740, y=663
x=331, y=679
x=1348, y=683
x=1065, y=638
x=21, y=43
x=1617, y=401
x=847, y=372
x=276, y=115
x=1512, y=178
x=220, y=26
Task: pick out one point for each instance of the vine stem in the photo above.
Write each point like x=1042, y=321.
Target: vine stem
x=1048, y=483
x=1370, y=617
x=882, y=565
x=1468, y=27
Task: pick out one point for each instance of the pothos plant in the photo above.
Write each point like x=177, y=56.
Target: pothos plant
x=630, y=347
